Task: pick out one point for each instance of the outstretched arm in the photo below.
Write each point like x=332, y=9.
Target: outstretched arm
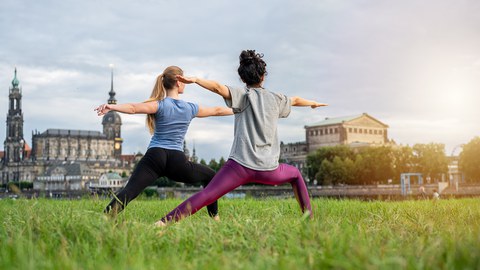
x=213, y=86
x=130, y=108
x=213, y=111
x=298, y=101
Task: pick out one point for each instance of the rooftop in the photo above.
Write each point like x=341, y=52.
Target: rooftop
x=336, y=120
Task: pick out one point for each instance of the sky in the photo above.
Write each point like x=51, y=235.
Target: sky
x=413, y=65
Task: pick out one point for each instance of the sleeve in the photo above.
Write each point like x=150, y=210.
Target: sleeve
x=194, y=109
x=284, y=105
x=159, y=108
x=238, y=100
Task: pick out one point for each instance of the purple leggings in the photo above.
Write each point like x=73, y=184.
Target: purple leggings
x=233, y=175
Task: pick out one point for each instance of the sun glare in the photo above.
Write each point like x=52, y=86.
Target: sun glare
x=454, y=94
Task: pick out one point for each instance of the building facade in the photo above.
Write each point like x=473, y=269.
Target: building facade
x=355, y=131
x=66, y=176
x=107, y=182
x=61, y=158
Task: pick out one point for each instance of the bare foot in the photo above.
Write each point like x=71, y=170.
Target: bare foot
x=160, y=224
x=216, y=218
x=307, y=215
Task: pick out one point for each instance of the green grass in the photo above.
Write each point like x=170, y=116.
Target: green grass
x=253, y=234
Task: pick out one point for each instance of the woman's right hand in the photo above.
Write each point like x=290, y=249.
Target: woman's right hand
x=317, y=104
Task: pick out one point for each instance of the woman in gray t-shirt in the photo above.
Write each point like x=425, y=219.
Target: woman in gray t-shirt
x=256, y=149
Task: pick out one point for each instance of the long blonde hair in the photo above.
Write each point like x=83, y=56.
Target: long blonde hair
x=165, y=81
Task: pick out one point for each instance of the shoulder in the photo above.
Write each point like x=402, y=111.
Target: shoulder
x=163, y=102
x=277, y=96
x=193, y=107
x=190, y=104
x=236, y=90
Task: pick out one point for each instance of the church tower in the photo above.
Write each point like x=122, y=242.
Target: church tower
x=112, y=124
x=14, y=144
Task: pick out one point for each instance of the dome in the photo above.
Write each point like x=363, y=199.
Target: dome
x=112, y=118
x=113, y=176
x=15, y=81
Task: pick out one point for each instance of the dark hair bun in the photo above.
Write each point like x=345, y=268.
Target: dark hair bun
x=252, y=67
x=250, y=57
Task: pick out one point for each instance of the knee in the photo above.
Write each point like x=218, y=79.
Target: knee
x=207, y=178
x=209, y=174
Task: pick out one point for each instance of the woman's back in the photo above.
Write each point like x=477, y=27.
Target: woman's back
x=171, y=123
x=257, y=110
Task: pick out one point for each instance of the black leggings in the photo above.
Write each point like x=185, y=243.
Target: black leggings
x=158, y=162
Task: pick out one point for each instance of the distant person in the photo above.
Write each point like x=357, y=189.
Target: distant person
x=256, y=149
x=436, y=195
x=168, y=118
x=423, y=194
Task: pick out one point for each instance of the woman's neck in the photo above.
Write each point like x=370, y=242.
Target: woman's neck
x=258, y=85
x=173, y=94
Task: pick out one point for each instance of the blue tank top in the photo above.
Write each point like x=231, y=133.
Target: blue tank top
x=171, y=123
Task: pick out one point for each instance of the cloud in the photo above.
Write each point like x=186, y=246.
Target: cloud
x=401, y=62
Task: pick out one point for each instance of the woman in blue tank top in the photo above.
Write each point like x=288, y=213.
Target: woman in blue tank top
x=168, y=118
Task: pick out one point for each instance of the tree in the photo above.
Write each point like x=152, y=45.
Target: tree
x=403, y=160
x=469, y=162
x=323, y=175
x=221, y=162
x=339, y=172
x=315, y=159
x=361, y=170
x=213, y=164
x=378, y=164
x=150, y=192
x=431, y=160
x=165, y=182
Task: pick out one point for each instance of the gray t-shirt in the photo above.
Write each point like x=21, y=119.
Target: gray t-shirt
x=255, y=144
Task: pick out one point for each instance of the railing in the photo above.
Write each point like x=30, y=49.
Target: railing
x=366, y=192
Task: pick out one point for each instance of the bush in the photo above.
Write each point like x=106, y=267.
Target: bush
x=149, y=192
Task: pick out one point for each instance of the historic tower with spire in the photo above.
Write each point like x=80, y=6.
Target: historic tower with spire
x=14, y=141
x=60, y=159
x=14, y=144
x=112, y=123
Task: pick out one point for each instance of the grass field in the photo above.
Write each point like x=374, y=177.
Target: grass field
x=253, y=234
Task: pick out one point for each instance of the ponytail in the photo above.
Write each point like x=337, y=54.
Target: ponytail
x=158, y=93
x=165, y=81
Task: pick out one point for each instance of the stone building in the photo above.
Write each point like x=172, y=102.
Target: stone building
x=65, y=176
x=81, y=145
x=108, y=181
x=55, y=152
x=355, y=131
x=294, y=154
x=64, y=144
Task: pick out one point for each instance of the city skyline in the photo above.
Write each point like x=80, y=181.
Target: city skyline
x=414, y=66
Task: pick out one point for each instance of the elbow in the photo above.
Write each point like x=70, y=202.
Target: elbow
x=219, y=111
x=131, y=109
x=294, y=101
x=222, y=111
x=217, y=89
